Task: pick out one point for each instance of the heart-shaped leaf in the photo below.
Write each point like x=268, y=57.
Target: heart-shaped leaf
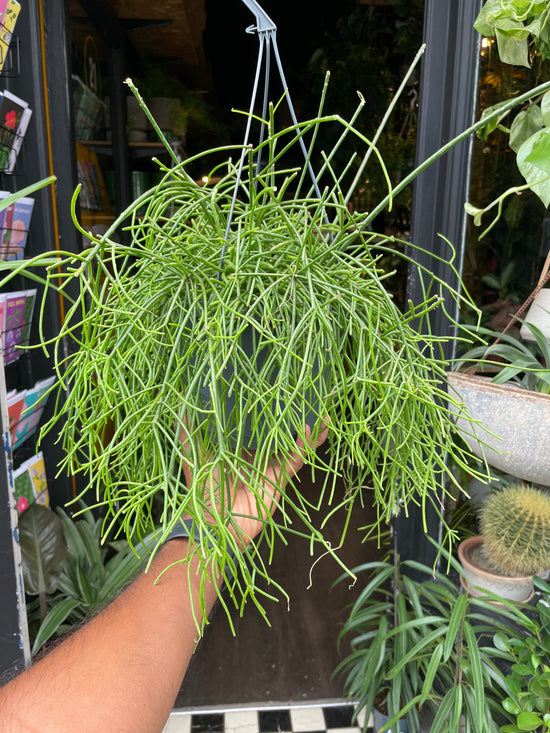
x=533, y=160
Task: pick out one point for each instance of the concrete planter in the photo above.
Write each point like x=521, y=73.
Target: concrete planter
x=513, y=433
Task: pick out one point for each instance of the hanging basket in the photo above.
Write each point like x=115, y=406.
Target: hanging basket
x=513, y=431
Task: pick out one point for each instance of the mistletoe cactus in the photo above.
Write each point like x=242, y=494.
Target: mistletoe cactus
x=224, y=320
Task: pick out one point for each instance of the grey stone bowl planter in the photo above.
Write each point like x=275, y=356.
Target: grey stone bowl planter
x=513, y=434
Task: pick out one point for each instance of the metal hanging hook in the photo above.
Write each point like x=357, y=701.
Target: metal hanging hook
x=267, y=32
x=264, y=24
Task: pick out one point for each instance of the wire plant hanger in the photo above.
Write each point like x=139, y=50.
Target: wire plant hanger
x=267, y=36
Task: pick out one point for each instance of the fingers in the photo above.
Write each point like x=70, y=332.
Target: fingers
x=296, y=461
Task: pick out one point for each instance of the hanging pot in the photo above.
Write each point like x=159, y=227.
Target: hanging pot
x=479, y=576
x=237, y=378
x=513, y=430
x=538, y=315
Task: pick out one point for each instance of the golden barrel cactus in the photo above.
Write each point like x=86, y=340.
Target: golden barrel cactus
x=515, y=524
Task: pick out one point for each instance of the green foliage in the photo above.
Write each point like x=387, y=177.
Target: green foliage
x=43, y=549
x=422, y=643
x=528, y=682
x=510, y=359
x=522, y=31
x=515, y=524
x=91, y=576
x=355, y=53
x=516, y=24
x=188, y=108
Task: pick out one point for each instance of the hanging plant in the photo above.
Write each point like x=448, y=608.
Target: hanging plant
x=228, y=318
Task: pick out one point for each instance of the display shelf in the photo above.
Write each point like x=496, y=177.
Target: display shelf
x=14, y=633
x=136, y=149
x=40, y=77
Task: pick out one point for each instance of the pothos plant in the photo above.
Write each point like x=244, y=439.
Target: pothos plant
x=223, y=320
x=522, y=32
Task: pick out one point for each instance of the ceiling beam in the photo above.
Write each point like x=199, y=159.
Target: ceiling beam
x=104, y=19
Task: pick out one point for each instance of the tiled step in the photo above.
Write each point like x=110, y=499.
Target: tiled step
x=302, y=719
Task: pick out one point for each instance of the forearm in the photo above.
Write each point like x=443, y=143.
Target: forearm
x=122, y=670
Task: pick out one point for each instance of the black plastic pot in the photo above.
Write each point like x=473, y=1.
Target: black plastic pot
x=379, y=720
x=239, y=375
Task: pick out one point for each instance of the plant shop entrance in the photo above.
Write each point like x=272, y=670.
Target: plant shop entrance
x=294, y=660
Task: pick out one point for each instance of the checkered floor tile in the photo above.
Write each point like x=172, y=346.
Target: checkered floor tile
x=329, y=719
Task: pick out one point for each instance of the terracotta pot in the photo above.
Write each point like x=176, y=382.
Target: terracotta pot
x=513, y=433
x=539, y=315
x=478, y=579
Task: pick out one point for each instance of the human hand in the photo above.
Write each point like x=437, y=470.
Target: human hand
x=246, y=510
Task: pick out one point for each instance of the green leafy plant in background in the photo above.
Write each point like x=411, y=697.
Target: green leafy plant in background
x=356, y=54
x=520, y=27
x=522, y=32
x=528, y=680
x=510, y=359
x=88, y=577
x=234, y=313
x=421, y=650
x=189, y=108
x=43, y=552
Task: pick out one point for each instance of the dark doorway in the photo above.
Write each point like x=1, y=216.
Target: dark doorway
x=294, y=659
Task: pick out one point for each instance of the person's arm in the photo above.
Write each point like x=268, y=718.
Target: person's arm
x=122, y=671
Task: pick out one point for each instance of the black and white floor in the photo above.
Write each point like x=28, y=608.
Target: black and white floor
x=302, y=719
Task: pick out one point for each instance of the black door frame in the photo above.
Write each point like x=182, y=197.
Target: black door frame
x=447, y=106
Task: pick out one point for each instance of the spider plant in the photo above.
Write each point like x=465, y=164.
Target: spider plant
x=510, y=359
x=420, y=645
x=233, y=314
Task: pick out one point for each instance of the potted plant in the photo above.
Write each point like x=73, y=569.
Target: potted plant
x=74, y=575
x=421, y=650
x=173, y=105
x=230, y=317
x=236, y=313
x=505, y=388
x=528, y=678
x=514, y=544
